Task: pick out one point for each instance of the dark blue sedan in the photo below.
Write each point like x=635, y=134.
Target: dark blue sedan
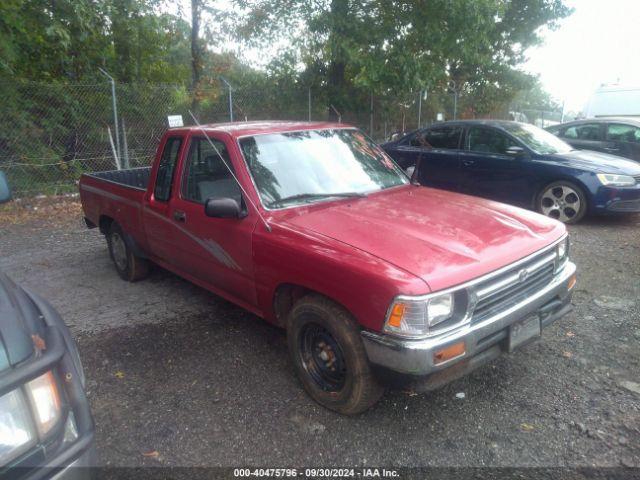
x=519, y=164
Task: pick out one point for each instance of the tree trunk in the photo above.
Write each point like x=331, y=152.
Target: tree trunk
x=337, y=61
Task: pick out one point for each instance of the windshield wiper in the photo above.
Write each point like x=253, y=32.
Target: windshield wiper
x=314, y=196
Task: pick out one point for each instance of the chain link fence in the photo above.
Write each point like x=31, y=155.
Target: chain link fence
x=51, y=133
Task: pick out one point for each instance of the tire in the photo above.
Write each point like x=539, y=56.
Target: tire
x=563, y=200
x=329, y=357
x=129, y=266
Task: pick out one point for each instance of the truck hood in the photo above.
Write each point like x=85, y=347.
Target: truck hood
x=442, y=237
x=17, y=312
x=598, y=162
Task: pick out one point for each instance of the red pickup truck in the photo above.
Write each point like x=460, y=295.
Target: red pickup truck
x=314, y=228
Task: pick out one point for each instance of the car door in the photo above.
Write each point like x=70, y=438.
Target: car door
x=488, y=171
x=436, y=149
x=623, y=140
x=157, y=221
x=217, y=251
x=585, y=136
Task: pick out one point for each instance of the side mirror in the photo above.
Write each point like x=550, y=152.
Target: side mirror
x=5, y=193
x=515, y=151
x=223, y=207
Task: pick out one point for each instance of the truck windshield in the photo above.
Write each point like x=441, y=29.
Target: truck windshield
x=294, y=168
x=538, y=140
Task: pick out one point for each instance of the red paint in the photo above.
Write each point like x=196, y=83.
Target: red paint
x=361, y=252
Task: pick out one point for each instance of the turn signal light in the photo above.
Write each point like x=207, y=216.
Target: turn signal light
x=395, y=319
x=572, y=282
x=448, y=353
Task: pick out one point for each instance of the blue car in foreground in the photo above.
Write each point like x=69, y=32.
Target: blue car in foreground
x=519, y=164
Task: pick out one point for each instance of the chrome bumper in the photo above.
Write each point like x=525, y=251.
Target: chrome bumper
x=415, y=357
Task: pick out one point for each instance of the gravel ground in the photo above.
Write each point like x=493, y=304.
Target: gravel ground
x=178, y=376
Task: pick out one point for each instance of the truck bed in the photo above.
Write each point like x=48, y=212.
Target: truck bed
x=132, y=177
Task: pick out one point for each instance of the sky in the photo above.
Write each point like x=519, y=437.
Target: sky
x=599, y=43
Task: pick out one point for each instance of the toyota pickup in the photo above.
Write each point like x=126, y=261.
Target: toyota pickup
x=314, y=228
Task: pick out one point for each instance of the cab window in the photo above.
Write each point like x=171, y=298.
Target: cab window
x=207, y=172
x=166, y=168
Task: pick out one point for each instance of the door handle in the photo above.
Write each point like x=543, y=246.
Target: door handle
x=611, y=149
x=468, y=163
x=180, y=216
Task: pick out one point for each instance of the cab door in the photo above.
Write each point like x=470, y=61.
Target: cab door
x=216, y=251
x=157, y=221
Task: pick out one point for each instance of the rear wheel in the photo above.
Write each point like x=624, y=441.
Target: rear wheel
x=563, y=201
x=329, y=357
x=129, y=266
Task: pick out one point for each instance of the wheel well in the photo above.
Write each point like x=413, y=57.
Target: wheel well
x=284, y=299
x=105, y=224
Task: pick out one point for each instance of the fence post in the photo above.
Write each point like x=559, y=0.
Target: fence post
x=309, y=102
x=230, y=98
x=371, y=116
x=115, y=110
x=419, y=107
x=125, y=146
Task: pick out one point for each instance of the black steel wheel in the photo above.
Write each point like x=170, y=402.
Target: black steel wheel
x=328, y=355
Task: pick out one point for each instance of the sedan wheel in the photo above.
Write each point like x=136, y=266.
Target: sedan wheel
x=563, y=201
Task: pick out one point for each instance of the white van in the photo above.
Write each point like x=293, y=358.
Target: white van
x=614, y=100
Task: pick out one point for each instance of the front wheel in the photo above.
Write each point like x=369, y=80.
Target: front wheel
x=563, y=201
x=329, y=357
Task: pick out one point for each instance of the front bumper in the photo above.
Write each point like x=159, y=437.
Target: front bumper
x=617, y=199
x=56, y=459
x=416, y=357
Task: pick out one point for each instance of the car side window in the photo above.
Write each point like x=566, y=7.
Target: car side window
x=164, y=177
x=447, y=138
x=206, y=174
x=587, y=131
x=618, y=132
x=488, y=140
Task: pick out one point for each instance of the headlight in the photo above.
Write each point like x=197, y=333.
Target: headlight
x=413, y=317
x=16, y=431
x=614, y=180
x=45, y=400
x=562, y=253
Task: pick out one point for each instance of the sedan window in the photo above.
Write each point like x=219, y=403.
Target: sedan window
x=587, y=131
x=441, y=137
x=618, y=132
x=487, y=140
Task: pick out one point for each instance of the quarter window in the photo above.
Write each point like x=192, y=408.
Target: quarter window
x=164, y=177
x=206, y=174
x=486, y=140
x=618, y=132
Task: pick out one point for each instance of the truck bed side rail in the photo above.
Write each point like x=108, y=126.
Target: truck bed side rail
x=133, y=177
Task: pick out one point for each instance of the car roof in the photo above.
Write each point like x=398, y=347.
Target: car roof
x=485, y=122
x=242, y=129
x=628, y=120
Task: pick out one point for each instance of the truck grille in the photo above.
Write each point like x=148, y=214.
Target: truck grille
x=513, y=286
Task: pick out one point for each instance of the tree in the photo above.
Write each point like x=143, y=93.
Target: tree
x=404, y=45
